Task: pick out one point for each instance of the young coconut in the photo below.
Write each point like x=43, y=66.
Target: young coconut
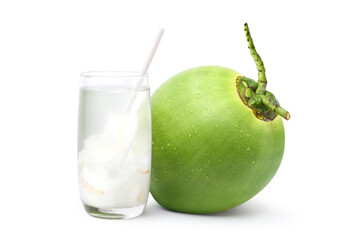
x=217, y=140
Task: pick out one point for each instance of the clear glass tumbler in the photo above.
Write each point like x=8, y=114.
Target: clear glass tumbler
x=114, y=143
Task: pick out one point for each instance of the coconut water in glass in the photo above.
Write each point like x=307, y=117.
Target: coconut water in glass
x=114, y=143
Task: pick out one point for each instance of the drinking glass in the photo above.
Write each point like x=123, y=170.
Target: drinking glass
x=114, y=143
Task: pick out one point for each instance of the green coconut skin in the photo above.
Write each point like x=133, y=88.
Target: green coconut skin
x=210, y=153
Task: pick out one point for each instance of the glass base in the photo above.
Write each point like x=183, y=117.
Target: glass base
x=115, y=213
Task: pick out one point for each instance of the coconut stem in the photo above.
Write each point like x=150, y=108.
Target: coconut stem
x=262, y=80
x=275, y=108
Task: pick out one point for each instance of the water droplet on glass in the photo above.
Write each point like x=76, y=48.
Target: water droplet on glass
x=162, y=148
x=248, y=148
x=192, y=126
x=174, y=148
x=253, y=162
x=171, y=161
x=191, y=111
x=241, y=131
x=247, y=135
x=206, y=176
x=152, y=143
x=216, y=126
x=200, y=169
x=168, y=144
x=196, y=131
x=189, y=135
x=156, y=178
x=208, y=161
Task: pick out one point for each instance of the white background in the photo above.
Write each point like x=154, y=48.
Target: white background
x=44, y=45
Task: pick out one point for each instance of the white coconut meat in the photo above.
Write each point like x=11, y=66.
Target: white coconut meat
x=113, y=172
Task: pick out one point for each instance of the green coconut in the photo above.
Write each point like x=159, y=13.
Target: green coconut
x=217, y=136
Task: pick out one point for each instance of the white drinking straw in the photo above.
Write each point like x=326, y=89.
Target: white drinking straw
x=146, y=67
x=128, y=144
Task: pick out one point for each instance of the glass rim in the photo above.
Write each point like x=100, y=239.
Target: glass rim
x=114, y=74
